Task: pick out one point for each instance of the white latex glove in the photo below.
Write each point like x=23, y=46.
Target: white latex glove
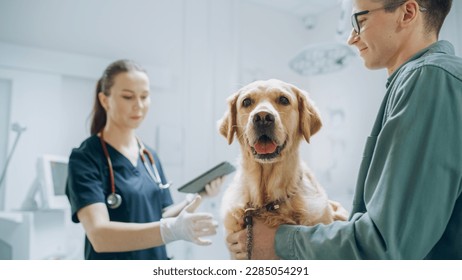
x=213, y=188
x=189, y=226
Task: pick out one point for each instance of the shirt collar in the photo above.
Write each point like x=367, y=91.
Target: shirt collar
x=437, y=47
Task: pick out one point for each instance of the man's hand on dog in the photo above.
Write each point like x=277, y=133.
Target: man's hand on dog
x=263, y=242
x=339, y=213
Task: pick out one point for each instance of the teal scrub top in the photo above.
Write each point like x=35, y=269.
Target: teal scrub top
x=142, y=200
x=407, y=203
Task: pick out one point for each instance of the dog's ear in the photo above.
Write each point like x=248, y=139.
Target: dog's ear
x=309, y=117
x=227, y=124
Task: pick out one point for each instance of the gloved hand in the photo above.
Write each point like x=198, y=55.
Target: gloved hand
x=213, y=188
x=189, y=226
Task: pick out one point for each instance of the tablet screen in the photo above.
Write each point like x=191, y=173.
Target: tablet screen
x=198, y=184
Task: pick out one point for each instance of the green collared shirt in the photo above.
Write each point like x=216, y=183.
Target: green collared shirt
x=407, y=203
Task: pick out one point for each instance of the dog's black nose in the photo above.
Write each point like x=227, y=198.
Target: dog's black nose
x=263, y=119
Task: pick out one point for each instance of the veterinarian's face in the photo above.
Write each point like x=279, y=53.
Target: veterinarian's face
x=267, y=117
x=378, y=42
x=129, y=99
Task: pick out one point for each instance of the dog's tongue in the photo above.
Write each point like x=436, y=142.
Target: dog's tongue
x=267, y=147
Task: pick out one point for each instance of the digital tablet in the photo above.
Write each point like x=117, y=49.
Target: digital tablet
x=198, y=184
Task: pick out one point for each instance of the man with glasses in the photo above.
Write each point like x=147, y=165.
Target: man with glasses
x=408, y=202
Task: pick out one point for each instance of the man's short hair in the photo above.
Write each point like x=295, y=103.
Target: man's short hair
x=434, y=16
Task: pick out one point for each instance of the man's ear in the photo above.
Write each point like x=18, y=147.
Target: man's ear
x=227, y=124
x=309, y=118
x=410, y=11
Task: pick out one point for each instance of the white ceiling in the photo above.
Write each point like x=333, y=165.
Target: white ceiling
x=299, y=8
x=98, y=28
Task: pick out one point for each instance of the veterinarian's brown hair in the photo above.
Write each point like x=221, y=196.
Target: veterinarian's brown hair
x=104, y=84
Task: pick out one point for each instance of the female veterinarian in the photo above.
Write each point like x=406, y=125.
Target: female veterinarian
x=116, y=186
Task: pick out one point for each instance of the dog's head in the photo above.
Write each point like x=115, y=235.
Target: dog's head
x=269, y=117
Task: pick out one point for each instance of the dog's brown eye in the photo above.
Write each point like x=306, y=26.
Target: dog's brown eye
x=246, y=102
x=283, y=100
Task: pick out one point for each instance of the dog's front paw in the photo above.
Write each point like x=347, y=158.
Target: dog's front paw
x=234, y=220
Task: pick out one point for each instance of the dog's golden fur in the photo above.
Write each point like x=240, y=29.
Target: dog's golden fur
x=272, y=170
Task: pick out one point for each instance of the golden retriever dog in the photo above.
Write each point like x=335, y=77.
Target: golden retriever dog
x=270, y=119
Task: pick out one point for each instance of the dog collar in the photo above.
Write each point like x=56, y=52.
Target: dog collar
x=270, y=207
x=273, y=206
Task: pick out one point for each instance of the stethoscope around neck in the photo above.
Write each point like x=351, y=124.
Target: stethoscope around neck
x=114, y=200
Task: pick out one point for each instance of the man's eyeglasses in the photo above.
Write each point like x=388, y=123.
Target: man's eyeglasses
x=354, y=17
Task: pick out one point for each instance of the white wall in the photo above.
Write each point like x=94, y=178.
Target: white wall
x=451, y=28
x=5, y=98
x=209, y=74
x=30, y=90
